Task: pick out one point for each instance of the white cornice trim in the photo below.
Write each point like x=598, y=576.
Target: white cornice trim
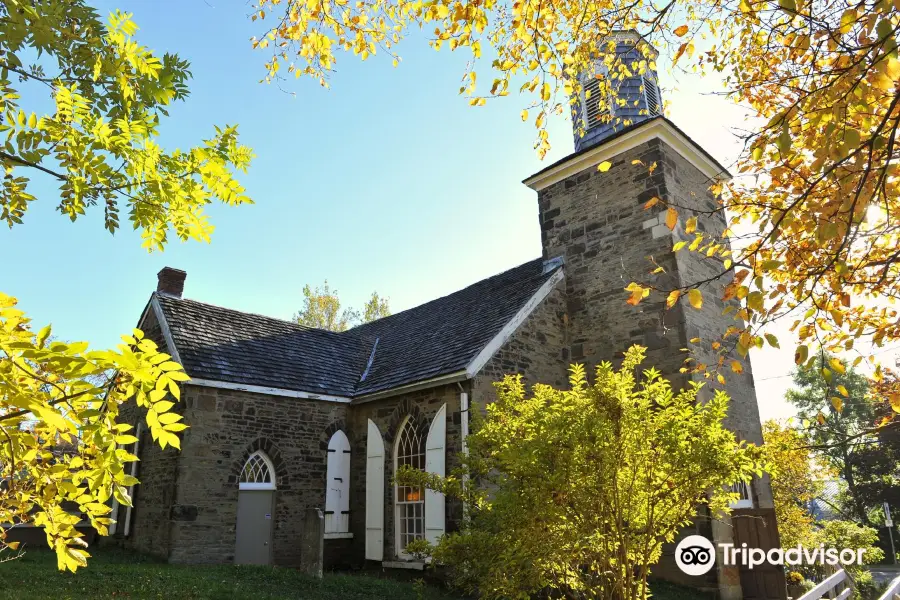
x=164, y=327
x=412, y=387
x=259, y=389
x=501, y=338
x=656, y=129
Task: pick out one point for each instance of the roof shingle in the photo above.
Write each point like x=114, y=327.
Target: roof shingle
x=437, y=338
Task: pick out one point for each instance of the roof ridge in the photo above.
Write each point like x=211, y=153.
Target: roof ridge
x=439, y=298
x=294, y=324
x=357, y=329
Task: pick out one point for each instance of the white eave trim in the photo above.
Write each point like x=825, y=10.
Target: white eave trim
x=658, y=128
x=497, y=342
x=412, y=387
x=164, y=326
x=259, y=389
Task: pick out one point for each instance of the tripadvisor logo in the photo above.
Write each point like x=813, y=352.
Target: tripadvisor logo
x=696, y=555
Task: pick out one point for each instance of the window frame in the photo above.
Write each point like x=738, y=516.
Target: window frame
x=258, y=485
x=407, y=424
x=742, y=502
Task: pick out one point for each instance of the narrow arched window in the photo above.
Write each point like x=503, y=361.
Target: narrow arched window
x=409, y=501
x=258, y=473
x=337, y=485
x=745, y=499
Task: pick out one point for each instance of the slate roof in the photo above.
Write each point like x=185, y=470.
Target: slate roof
x=437, y=338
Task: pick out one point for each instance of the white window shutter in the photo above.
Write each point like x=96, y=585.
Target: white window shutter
x=337, y=490
x=374, y=494
x=435, y=463
x=133, y=472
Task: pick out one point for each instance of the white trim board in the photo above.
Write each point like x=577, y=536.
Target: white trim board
x=658, y=128
x=411, y=387
x=259, y=389
x=503, y=336
x=164, y=326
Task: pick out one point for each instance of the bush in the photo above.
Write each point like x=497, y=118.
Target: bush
x=586, y=484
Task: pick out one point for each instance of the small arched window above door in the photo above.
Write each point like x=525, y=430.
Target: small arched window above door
x=258, y=473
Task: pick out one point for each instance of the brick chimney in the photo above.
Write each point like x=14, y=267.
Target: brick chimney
x=171, y=281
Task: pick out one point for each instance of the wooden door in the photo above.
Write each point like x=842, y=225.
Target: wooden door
x=756, y=528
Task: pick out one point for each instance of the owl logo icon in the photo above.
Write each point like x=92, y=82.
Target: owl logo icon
x=695, y=555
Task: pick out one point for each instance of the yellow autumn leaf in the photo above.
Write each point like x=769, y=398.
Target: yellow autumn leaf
x=673, y=298
x=695, y=298
x=681, y=30
x=671, y=218
x=638, y=293
x=651, y=203
x=837, y=403
x=895, y=402
x=604, y=166
x=737, y=367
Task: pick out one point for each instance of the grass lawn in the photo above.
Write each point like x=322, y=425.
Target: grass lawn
x=116, y=574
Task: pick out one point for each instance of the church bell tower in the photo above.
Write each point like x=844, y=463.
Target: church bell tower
x=597, y=223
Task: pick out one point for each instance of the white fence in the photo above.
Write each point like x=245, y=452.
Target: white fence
x=829, y=587
x=893, y=591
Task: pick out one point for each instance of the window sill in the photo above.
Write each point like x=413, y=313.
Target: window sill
x=416, y=565
x=338, y=536
x=742, y=504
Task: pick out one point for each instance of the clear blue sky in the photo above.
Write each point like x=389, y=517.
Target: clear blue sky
x=388, y=182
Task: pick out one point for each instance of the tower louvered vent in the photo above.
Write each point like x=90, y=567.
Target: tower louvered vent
x=593, y=115
x=627, y=88
x=651, y=92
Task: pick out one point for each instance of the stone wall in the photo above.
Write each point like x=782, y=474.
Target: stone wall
x=687, y=189
x=388, y=414
x=538, y=350
x=149, y=531
x=227, y=426
x=597, y=222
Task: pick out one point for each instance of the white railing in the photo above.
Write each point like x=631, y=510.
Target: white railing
x=893, y=590
x=829, y=585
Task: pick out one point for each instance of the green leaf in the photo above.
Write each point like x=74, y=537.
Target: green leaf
x=789, y=6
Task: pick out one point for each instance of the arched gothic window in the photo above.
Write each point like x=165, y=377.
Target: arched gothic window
x=409, y=501
x=258, y=473
x=745, y=499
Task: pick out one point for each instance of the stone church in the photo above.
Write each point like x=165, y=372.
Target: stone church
x=284, y=418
